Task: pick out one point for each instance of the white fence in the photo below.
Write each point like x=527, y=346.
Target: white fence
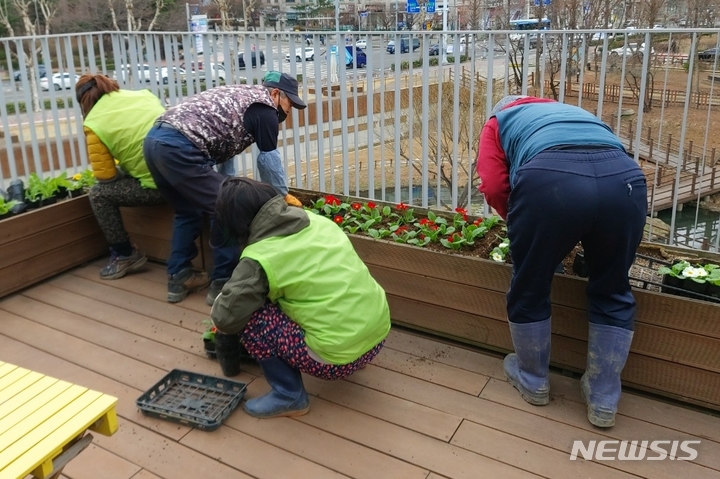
x=399, y=126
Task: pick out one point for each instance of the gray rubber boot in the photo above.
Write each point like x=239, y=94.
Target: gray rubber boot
x=528, y=368
x=288, y=396
x=608, y=349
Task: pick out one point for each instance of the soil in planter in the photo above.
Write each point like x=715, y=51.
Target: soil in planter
x=483, y=247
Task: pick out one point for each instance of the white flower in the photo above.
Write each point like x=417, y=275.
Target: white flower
x=498, y=257
x=691, y=272
x=504, y=244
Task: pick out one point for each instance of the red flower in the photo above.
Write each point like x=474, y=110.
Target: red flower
x=331, y=200
x=426, y=222
x=338, y=219
x=356, y=206
x=478, y=221
x=402, y=207
x=422, y=236
x=401, y=230
x=461, y=211
x=465, y=217
x=371, y=205
x=213, y=330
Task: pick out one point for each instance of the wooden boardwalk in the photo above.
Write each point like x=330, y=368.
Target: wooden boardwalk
x=424, y=409
x=694, y=179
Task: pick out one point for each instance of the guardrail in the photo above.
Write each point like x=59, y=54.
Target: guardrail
x=419, y=145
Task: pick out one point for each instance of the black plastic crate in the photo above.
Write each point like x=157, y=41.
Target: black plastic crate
x=192, y=399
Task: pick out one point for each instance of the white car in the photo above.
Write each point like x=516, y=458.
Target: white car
x=217, y=71
x=451, y=48
x=140, y=72
x=60, y=81
x=629, y=49
x=172, y=74
x=307, y=54
x=361, y=44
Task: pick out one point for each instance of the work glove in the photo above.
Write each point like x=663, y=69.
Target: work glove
x=292, y=201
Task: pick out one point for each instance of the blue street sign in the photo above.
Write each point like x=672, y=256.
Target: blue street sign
x=413, y=7
x=545, y=2
x=430, y=6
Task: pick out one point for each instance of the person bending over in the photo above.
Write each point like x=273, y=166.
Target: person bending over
x=300, y=297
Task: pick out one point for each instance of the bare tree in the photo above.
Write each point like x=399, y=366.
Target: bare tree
x=469, y=113
x=385, y=19
x=144, y=12
x=30, y=47
x=475, y=10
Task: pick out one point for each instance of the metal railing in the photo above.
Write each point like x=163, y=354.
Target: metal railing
x=400, y=126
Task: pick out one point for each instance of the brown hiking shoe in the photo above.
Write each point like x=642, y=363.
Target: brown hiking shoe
x=119, y=266
x=185, y=282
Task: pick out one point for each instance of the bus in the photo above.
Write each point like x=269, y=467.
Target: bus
x=530, y=24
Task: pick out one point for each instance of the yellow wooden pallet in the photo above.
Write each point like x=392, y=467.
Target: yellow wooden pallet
x=43, y=422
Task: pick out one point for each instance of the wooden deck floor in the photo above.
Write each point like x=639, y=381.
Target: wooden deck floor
x=424, y=409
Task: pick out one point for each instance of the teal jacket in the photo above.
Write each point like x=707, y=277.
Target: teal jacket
x=307, y=266
x=527, y=129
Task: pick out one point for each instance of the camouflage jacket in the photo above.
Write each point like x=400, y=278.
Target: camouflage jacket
x=213, y=119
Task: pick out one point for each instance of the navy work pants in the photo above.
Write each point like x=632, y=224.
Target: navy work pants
x=184, y=175
x=562, y=197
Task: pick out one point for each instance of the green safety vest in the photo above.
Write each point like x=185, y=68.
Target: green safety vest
x=121, y=120
x=319, y=281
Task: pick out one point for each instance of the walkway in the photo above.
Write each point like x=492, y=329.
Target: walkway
x=694, y=181
x=424, y=409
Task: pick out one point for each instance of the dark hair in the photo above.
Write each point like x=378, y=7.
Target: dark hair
x=90, y=88
x=239, y=201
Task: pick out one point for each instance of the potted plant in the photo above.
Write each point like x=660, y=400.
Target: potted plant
x=40, y=192
x=62, y=186
x=208, y=338
x=6, y=208
x=686, y=279
x=80, y=183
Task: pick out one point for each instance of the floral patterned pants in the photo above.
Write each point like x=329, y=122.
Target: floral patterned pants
x=270, y=332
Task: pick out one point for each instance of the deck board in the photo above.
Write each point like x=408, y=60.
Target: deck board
x=424, y=409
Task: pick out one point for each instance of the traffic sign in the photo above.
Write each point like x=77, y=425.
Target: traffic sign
x=430, y=6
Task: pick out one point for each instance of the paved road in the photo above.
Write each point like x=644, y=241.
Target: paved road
x=11, y=94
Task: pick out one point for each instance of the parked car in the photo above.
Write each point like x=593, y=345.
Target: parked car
x=451, y=48
x=354, y=55
x=629, y=49
x=405, y=45
x=708, y=55
x=216, y=71
x=60, y=81
x=307, y=54
x=39, y=68
x=174, y=74
x=142, y=73
x=193, y=67
x=362, y=43
x=434, y=50
x=254, y=55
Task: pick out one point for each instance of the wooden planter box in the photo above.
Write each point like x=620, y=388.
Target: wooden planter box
x=150, y=229
x=675, y=351
x=41, y=243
